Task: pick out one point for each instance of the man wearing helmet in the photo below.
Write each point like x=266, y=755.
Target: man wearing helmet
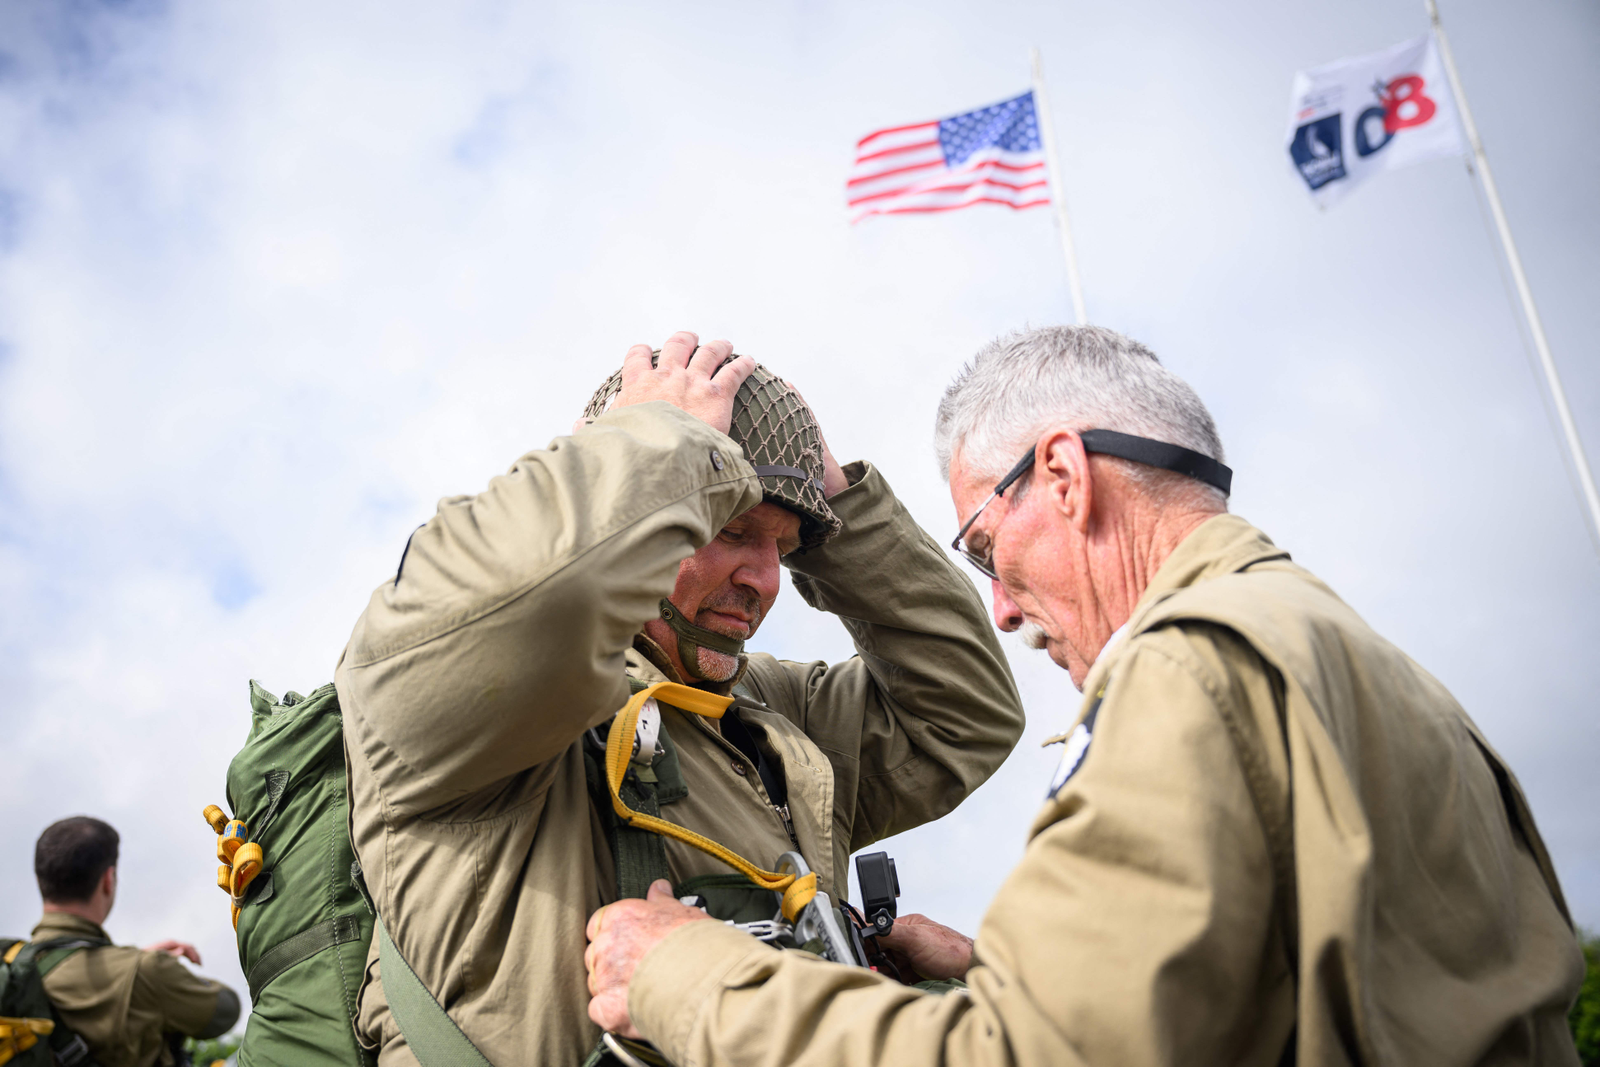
x=479, y=683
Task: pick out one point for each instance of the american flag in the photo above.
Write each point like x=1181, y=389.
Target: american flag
x=989, y=156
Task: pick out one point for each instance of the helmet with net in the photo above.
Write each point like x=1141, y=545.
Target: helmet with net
x=780, y=438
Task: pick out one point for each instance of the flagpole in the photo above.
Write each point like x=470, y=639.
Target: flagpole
x=1057, y=196
x=1535, y=326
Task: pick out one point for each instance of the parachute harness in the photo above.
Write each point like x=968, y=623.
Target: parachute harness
x=798, y=890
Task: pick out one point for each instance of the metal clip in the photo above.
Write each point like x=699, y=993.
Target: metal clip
x=765, y=929
x=646, y=733
x=817, y=919
x=632, y=1053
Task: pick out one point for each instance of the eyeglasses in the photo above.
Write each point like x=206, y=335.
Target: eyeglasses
x=1159, y=454
x=985, y=562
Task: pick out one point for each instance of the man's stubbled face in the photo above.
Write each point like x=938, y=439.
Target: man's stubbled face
x=717, y=614
x=729, y=585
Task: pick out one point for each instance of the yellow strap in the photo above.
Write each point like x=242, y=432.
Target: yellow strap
x=241, y=860
x=797, y=893
x=42, y=1027
x=11, y=953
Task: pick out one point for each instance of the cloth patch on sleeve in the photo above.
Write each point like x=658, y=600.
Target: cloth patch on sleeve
x=1076, y=747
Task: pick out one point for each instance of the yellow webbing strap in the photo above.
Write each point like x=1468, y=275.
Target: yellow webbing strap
x=19, y=1035
x=11, y=953
x=797, y=892
x=241, y=859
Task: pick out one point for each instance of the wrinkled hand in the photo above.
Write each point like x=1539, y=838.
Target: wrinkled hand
x=932, y=950
x=177, y=949
x=619, y=936
x=687, y=375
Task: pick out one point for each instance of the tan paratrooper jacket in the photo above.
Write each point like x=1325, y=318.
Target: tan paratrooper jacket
x=510, y=630
x=125, y=1002
x=1281, y=829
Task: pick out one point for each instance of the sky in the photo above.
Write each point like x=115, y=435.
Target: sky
x=276, y=278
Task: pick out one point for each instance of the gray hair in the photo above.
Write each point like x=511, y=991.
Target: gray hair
x=1083, y=377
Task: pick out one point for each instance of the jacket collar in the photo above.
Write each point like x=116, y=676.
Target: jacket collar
x=60, y=924
x=1223, y=544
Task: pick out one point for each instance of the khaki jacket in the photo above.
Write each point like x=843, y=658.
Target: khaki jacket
x=510, y=630
x=123, y=1001
x=1281, y=829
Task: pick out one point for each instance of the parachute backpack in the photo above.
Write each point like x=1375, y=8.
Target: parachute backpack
x=31, y=1033
x=299, y=909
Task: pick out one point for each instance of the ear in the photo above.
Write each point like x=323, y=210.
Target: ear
x=1061, y=469
x=108, y=881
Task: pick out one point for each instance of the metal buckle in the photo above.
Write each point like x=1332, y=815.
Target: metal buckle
x=817, y=920
x=765, y=929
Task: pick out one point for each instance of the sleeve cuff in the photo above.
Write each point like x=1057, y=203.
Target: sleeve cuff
x=865, y=507
x=721, y=457
x=876, y=525
x=675, y=979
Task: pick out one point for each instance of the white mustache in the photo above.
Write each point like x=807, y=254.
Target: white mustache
x=1033, y=636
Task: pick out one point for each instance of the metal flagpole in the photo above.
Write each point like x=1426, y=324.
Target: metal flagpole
x=1535, y=327
x=1057, y=197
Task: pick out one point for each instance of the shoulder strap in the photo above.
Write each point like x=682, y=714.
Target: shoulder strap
x=1274, y=809
x=434, y=1037
x=50, y=954
x=639, y=856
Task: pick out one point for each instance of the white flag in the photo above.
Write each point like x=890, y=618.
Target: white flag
x=1355, y=118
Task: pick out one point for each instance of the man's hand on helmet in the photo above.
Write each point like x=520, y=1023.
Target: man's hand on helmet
x=687, y=376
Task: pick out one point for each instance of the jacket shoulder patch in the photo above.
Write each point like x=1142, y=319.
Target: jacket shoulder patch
x=1076, y=748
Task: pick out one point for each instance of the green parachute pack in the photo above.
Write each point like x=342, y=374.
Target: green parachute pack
x=31, y=1033
x=300, y=913
x=304, y=921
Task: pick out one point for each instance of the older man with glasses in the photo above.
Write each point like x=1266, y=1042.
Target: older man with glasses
x=1272, y=838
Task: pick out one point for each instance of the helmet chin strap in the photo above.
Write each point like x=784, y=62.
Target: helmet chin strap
x=692, y=638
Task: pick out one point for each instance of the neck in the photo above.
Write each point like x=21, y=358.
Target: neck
x=1138, y=540
x=87, y=909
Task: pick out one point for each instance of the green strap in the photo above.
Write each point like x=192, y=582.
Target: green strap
x=639, y=855
x=299, y=948
x=48, y=955
x=434, y=1037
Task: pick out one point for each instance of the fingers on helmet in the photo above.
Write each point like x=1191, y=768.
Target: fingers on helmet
x=709, y=356
x=679, y=347
x=636, y=362
x=733, y=375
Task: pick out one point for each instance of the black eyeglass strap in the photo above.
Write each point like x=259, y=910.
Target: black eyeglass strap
x=1024, y=465
x=1160, y=454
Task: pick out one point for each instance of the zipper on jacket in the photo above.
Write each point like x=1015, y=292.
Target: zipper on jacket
x=788, y=824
